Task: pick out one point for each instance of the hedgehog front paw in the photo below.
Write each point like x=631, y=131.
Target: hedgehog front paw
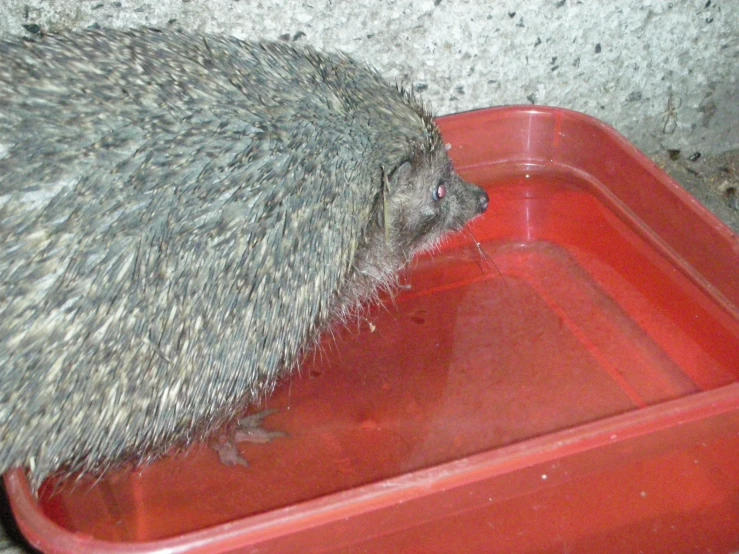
x=247, y=429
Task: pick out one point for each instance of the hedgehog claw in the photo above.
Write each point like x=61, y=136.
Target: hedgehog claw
x=248, y=429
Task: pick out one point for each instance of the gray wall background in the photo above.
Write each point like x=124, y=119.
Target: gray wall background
x=664, y=73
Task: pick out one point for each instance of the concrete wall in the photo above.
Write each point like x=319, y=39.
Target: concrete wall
x=665, y=73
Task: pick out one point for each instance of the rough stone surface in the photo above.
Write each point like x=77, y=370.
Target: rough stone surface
x=664, y=73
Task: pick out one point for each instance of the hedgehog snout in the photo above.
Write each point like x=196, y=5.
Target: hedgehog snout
x=482, y=202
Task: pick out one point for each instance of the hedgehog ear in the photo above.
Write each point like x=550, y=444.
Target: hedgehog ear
x=391, y=182
x=399, y=175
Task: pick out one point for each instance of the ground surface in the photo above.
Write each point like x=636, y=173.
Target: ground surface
x=713, y=180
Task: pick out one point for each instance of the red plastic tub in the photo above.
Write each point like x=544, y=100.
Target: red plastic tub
x=562, y=378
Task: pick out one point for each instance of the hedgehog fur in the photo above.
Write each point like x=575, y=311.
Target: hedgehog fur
x=180, y=215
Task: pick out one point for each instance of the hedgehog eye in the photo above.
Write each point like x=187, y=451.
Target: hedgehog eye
x=439, y=192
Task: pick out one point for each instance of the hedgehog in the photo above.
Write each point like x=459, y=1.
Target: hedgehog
x=181, y=215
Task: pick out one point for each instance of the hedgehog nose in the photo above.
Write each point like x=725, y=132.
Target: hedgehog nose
x=482, y=202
